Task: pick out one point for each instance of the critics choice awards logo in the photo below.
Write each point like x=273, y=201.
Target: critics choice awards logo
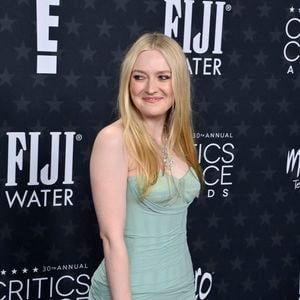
x=198, y=27
x=291, y=49
x=216, y=157
x=46, y=282
x=40, y=169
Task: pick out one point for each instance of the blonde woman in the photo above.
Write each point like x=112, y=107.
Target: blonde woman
x=144, y=174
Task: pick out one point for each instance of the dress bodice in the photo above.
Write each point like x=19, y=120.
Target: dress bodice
x=155, y=236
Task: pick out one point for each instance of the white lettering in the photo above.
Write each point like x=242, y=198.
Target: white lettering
x=297, y=184
x=46, y=64
x=290, y=70
x=69, y=157
x=205, y=31
x=199, y=283
x=40, y=198
x=188, y=16
x=49, y=173
x=78, y=280
x=12, y=291
x=34, y=199
x=14, y=158
x=57, y=286
x=39, y=280
x=171, y=26
x=287, y=30
x=292, y=159
x=50, y=177
x=230, y=145
x=201, y=40
x=34, y=154
x=4, y=285
x=223, y=174
x=210, y=193
x=206, y=150
x=219, y=28
x=291, y=59
x=17, y=197
x=210, y=66
x=44, y=288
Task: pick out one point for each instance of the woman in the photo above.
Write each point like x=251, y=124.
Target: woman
x=144, y=174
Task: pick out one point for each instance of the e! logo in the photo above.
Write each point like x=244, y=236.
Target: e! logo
x=46, y=64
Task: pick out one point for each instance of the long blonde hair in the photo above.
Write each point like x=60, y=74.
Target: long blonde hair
x=178, y=124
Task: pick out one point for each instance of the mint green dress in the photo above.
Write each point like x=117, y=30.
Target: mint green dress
x=155, y=236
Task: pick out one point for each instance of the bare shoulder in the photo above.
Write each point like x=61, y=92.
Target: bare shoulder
x=108, y=153
x=110, y=136
x=109, y=143
x=111, y=132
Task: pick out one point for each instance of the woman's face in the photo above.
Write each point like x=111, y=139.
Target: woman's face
x=151, y=85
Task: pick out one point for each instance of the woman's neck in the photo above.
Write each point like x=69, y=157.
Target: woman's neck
x=155, y=128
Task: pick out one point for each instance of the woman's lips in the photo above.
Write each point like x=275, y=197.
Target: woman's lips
x=152, y=99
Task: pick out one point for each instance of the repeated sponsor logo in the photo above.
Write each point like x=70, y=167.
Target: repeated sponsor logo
x=46, y=48
x=202, y=42
x=203, y=284
x=293, y=166
x=59, y=282
x=291, y=50
x=216, y=156
x=40, y=169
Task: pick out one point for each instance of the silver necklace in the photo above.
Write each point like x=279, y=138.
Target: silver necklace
x=167, y=158
x=168, y=163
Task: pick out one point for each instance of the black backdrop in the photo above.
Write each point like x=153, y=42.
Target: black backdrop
x=244, y=233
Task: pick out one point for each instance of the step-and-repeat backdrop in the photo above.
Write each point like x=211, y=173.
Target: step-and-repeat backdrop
x=59, y=67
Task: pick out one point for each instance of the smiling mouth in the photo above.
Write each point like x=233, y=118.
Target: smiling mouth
x=152, y=99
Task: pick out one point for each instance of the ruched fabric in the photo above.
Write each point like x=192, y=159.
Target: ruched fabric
x=155, y=236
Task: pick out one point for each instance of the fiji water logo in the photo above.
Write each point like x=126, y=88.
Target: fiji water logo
x=182, y=19
x=293, y=166
x=40, y=169
x=48, y=174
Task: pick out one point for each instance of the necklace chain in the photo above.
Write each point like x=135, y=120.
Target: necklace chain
x=167, y=158
x=168, y=163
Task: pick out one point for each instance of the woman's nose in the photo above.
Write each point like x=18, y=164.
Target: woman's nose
x=151, y=86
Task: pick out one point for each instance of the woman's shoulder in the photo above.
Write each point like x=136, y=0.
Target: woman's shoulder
x=111, y=132
x=109, y=138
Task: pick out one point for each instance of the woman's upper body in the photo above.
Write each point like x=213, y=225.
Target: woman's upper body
x=154, y=115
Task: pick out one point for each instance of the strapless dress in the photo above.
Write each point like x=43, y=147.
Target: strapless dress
x=156, y=239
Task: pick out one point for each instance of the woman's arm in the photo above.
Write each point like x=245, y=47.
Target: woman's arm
x=108, y=172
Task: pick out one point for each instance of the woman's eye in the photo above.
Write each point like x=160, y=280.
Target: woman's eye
x=138, y=77
x=164, y=77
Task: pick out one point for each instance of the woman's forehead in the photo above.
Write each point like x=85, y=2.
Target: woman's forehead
x=151, y=59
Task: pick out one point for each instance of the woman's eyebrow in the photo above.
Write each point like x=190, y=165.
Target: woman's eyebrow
x=164, y=71
x=159, y=72
x=139, y=71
